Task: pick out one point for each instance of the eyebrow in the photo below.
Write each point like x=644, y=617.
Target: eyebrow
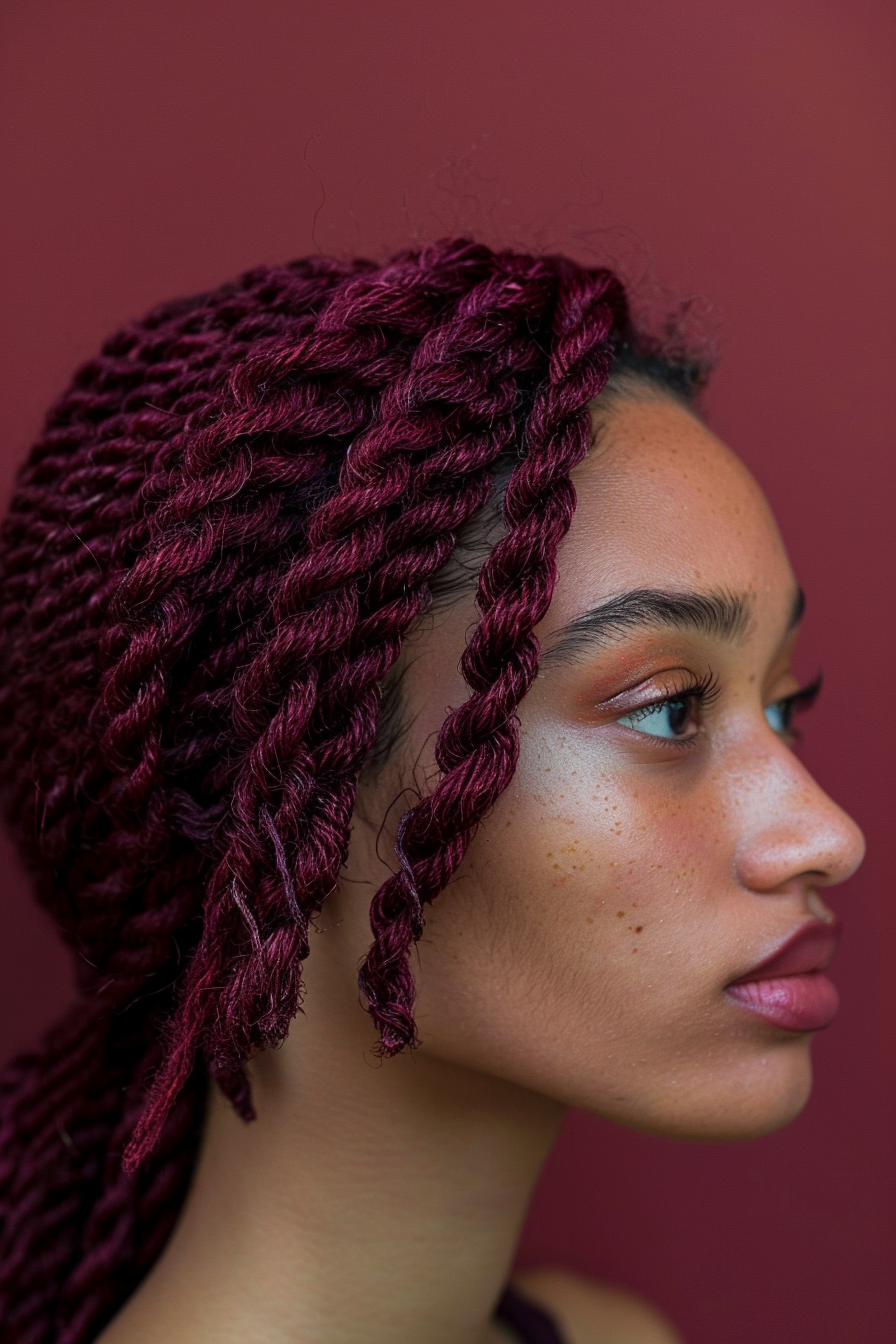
x=718, y=614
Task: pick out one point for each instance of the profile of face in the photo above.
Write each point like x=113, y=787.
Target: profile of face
x=659, y=841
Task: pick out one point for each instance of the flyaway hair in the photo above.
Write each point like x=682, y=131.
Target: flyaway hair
x=212, y=557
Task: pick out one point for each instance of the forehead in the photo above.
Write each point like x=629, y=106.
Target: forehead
x=662, y=502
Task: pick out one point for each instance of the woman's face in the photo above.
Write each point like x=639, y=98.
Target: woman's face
x=659, y=839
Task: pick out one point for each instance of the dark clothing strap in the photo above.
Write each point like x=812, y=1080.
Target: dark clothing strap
x=531, y=1323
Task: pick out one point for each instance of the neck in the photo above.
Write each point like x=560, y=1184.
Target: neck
x=370, y=1201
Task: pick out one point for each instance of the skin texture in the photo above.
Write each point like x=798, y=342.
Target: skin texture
x=579, y=957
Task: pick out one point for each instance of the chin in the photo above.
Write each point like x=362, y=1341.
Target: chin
x=771, y=1100
x=761, y=1098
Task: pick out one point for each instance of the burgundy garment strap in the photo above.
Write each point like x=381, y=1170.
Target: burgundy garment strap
x=532, y=1323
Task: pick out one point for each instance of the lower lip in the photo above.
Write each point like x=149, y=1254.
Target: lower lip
x=806, y=1002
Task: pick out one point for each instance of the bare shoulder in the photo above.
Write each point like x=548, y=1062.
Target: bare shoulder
x=588, y=1312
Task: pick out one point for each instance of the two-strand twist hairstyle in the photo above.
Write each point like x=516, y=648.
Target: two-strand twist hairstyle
x=212, y=557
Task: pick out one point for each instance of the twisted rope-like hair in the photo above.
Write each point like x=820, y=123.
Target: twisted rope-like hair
x=211, y=560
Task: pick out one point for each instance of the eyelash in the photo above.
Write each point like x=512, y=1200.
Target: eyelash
x=699, y=693
x=797, y=702
x=702, y=693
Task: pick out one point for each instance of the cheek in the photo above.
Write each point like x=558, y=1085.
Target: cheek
x=588, y=906
x=582, y=949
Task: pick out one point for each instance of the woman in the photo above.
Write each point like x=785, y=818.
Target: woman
x=322, y=593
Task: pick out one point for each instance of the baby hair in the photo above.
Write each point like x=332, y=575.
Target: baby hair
x=213, y=554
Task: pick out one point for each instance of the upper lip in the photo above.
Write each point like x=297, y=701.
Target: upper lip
x=809, y=948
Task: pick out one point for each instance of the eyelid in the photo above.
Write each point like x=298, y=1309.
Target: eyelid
x=638, y=696
x=805, y=697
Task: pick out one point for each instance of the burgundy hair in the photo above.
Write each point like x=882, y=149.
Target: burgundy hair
x=212, y=556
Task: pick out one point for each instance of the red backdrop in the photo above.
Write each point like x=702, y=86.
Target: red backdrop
x=738, y=152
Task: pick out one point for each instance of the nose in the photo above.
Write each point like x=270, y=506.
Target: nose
x=794, y=834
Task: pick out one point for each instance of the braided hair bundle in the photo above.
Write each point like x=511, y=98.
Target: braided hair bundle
x=213, y=554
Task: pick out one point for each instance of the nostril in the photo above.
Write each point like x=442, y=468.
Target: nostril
x=818, y=907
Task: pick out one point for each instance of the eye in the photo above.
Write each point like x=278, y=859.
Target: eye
x=670, y=718
x=780, y=716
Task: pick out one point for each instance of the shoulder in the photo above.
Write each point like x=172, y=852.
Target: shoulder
x=588, y=1312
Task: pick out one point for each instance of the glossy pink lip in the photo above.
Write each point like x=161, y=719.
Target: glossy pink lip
x=789, y=987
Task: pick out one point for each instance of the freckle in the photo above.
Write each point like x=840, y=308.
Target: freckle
x=620, y=914
x=550, y=854
x=639, y=929
x=555, y=865
x=589, y=920
x=634, y=949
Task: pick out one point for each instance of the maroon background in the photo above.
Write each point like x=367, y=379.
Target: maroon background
x=739, y=152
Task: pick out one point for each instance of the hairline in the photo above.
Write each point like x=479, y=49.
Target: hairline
x=393, y=729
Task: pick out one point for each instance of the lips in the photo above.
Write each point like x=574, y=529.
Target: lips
x=789, y=987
